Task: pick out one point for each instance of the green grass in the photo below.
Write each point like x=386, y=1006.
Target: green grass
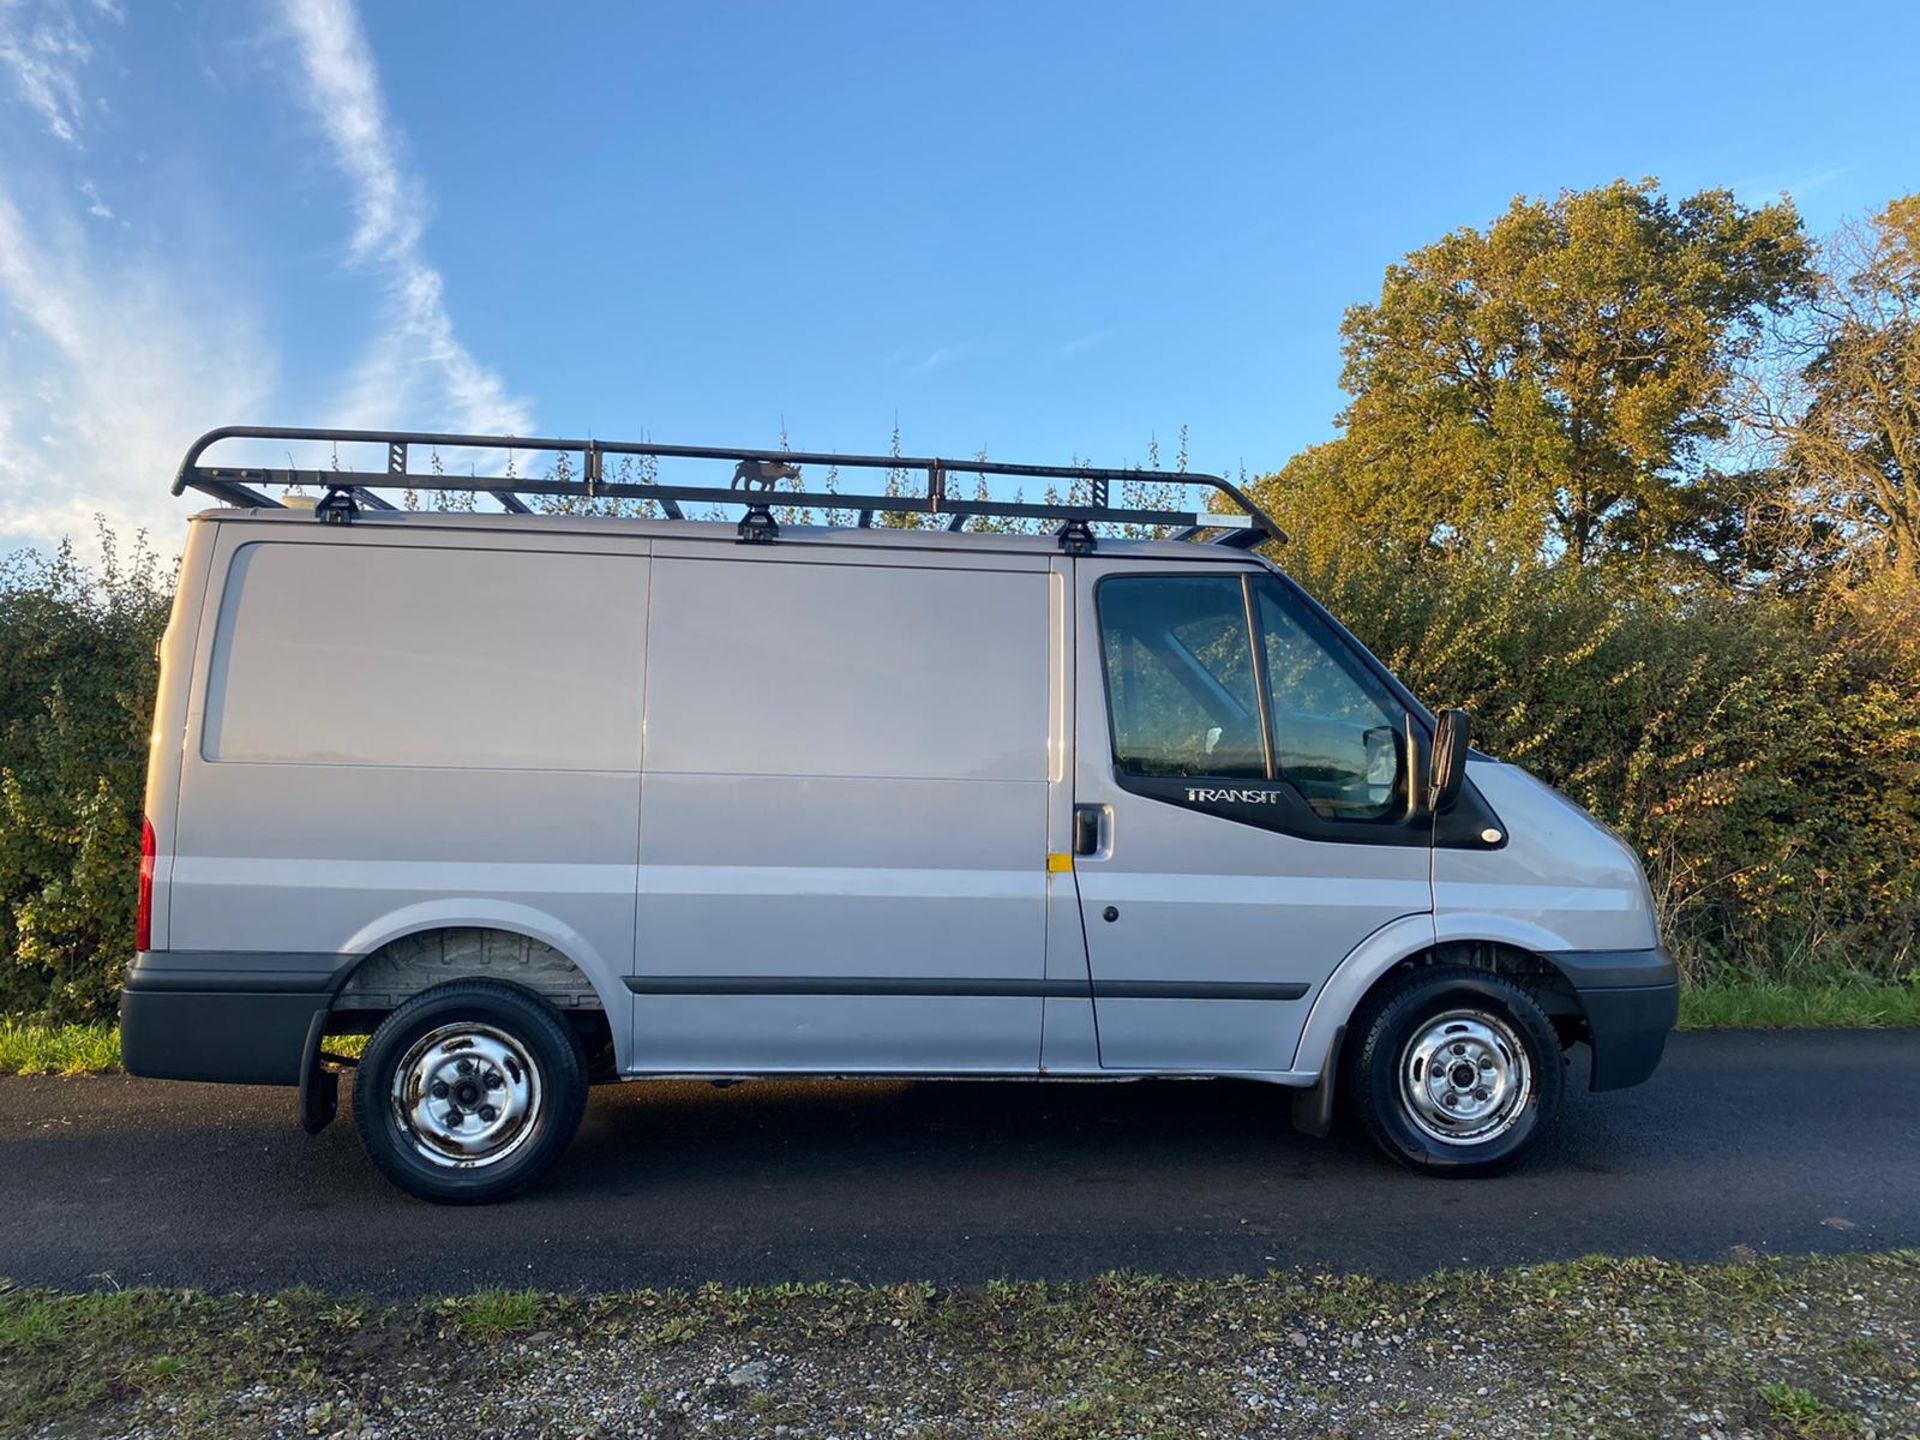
x=1844, y=1005
x=31, y=1047
x=1803, y=1413
x=490, y=1314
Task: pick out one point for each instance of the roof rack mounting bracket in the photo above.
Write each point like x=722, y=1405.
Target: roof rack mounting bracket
x=337, y=506
x=1076, y=537
x=758, y=527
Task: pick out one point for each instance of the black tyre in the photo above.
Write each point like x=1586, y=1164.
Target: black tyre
x=469, y=1091
x=1455, y=1071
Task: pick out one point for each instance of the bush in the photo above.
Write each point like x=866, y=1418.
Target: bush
x=77, y=675
x=1763, y=754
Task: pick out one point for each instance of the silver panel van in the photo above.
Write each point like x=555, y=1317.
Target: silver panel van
x=538, y=799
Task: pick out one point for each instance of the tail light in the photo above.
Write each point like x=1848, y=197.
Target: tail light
x=143, y=927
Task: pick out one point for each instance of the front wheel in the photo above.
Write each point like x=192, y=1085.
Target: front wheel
x=469, y=1091
x=1456, y=1071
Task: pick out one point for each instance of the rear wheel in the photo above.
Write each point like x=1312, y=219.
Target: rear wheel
x=1457, y=1071
x=469, y=1091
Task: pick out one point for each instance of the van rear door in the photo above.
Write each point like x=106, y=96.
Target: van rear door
x=1240, y=791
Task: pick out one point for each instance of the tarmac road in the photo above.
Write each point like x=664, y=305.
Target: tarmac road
x=1781, y=1143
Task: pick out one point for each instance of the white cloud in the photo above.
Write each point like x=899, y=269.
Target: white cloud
x=108, y=371
x=418, y=371
x=114, y=355
x=44, y=49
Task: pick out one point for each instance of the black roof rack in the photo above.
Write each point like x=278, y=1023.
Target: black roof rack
x=756, y=473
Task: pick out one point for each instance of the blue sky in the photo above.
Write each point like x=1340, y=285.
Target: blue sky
x=1048, y=230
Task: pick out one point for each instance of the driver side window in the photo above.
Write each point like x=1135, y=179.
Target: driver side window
x=1336, y=735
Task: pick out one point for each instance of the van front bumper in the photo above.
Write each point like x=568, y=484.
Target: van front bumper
x=1631, y=999
x=241, y=1018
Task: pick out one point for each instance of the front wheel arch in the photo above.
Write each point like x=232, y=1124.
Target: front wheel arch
x=1550, y=988
x=1316, y=1108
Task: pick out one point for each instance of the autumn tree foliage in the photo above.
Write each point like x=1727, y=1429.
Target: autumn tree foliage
x=1556, y=382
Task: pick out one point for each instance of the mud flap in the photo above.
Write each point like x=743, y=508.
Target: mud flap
x=319, y=1086
x=1313, y=1109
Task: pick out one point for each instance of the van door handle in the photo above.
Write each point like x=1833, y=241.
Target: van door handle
x=1086, y=829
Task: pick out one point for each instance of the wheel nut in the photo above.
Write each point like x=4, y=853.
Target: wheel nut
x=1457, y=1049
x=1480, y=1094
x=489, y=1114
x=494, y=1082
x=465, y=1067
x=439, y=1091
x=454, y=1118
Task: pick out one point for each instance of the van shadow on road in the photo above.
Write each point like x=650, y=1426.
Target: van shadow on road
x=1781, y=1143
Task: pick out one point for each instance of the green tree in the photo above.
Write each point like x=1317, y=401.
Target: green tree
x=1555, y=384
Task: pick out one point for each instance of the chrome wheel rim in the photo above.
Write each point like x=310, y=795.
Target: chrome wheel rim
x=466, y=1096
x=1465, y=1078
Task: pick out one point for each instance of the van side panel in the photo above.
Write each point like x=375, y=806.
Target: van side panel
x=843, y=839
x=390, y=737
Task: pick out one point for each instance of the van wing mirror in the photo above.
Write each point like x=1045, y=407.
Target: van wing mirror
x=1452, y=739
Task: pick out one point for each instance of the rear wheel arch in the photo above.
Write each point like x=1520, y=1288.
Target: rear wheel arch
x=421, y=960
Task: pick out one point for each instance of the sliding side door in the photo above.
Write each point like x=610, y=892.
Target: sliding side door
x=844, y=811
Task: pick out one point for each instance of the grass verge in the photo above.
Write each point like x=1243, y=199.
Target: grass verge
x=1827, y=1347
x=1844, y=1005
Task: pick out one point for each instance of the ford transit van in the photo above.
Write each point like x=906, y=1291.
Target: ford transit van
x=531, y=799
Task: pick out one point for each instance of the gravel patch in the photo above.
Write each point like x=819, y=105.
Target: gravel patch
x=1766, y=1347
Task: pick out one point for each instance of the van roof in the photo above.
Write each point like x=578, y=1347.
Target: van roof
x=975, y=542
x=952, y=493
